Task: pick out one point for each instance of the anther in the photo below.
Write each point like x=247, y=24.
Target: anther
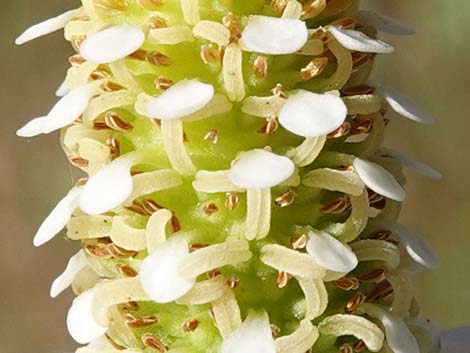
x=279, y=91
x=210, y=208
x=299, y=242
x=114, y=147
x=347, y=283
x=279, y=6
x=151, y=341
x=314, y=68
x=76, y=60
x=151, y=5
x=150, y=206
x=270, y=126
x=346, y=348
x=126, y=270
x=339, y=205
x=162, y=83
x=139, y=322
x=78, y=162
x=374, y=275
x=233, y=282
x=345, y=23
x=113, y=121
x=120, y=253
x=285, y=199
x=97, y=251
x=355, y=302
x=152, y=57
x=209, y=54
x=233, y=24
x=212, y=136
x=156, y=21
x=342, y=131
x=357, y=90
x=113, y=343
x=190, y=325
x=260, y=67
x=231, y=200
x=111, y=86
x=381, y=290
x=282, y=279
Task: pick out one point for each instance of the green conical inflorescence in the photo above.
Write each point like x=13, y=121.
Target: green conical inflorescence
x=237, y=197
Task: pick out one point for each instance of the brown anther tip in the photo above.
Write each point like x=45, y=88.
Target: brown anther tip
x=155, y=21
x=275, y=330
x=359, y=346
x=137, y=207
x=282, y=279
x=175, y=224
x=150, y=206
x=279, y=6
x=279, y=91
x=163, y=83
x=213, y=273
x=152, y=57
x=212, y=136
x=285, y=199
x=76, y=60
x=342, y=131
x=113, y=343
x=374, y=275
x=233, y=282
x=355, y=90
x=210, y=208
x=111, y=86
x=129, y=306
x=233, y=24
x=81, y=181
x=120, y=253
x=381, y=290
x=346, y=348
x=114, y=121
x=151, y=341
x=210, y=55
x=270, y=126
x=361, y=126
x=355, y=302
x=126, y=270
x=190, y=325
x=139, y=322
x=231, y=200
x=97, y=251
x=299, y=242
x=345, y=23
x=339, y=205
x=79, y=162
x=197, y=246
x=347, y=283
x=314, y=68
x=114, y=148
x=260, y=67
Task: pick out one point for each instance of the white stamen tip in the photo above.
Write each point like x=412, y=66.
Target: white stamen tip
x=180, y=100
x=379, y=180
x=274, y=36
x=62, y=90
x=76, y=263
x=383, y=23
x=109, y=187
x=81, y=323
x=416, y=246
x=259, y=169
x=58, y=218
x=404, y=106
x=112, y=44
x=46, y=27
x=312, y=115
x=159, y=273
x=254, y=335
x=64, y=113
x=33, y=128
x=358, y=41
x=418, y=167
x=330, y=253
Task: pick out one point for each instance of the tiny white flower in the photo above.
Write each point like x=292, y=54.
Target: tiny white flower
x=46, y=27
x=109, y=187
x=330, y=253
x=259, y=169
x=273, y=35
x=378, y=179
x=58, y=217
x=253, y=336
x=69, y=108
x=76, y=263
x=159, y=272
x=112, y=44
x=358, y=41
x=81, y=322
x=383, y=23
x=310, y=114
x=180, y=100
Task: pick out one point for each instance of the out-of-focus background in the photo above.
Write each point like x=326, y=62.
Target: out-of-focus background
x=432, y=67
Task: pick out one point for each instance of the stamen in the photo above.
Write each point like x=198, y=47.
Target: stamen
x=347, y=283
x=231, y=200
x=346, y=348
x=152, y=57
x=285, y=199
x=314, y=68
x=157, y=21
x=163, y=83
x=374, y=275
x=339, y=205
x=260, y=66
x=210, y=208
x=299, y=242
x=139, y=322
x=210, y=55
x=355, y=302
x=190, y=325
x=282, y=279
x=98, y=251
x=313, y=8
x=279, y=5
x=126, y=270
x=233, y=24
x=270, y=126
x=151, y=341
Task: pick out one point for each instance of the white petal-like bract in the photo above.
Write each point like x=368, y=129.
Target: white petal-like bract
x=58, y=218
x=62, y=90
x=378, y=179
x=109, y=187
x=310, y=114
x=112, y=44
x=330, y=253
x=416, y=246
x=76, y=263
x=69, y=108
x=259, y=169
x=404, y=106
x=46, y=27
x=358, y=41
x=183, y=99
x=273, y=35
x=159, y=272
x=383, y=23
x=253, y=336
x=398, y=335
x=81, y=323
x=415, y=166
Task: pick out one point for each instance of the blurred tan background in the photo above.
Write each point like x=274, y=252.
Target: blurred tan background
x=432, y=67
